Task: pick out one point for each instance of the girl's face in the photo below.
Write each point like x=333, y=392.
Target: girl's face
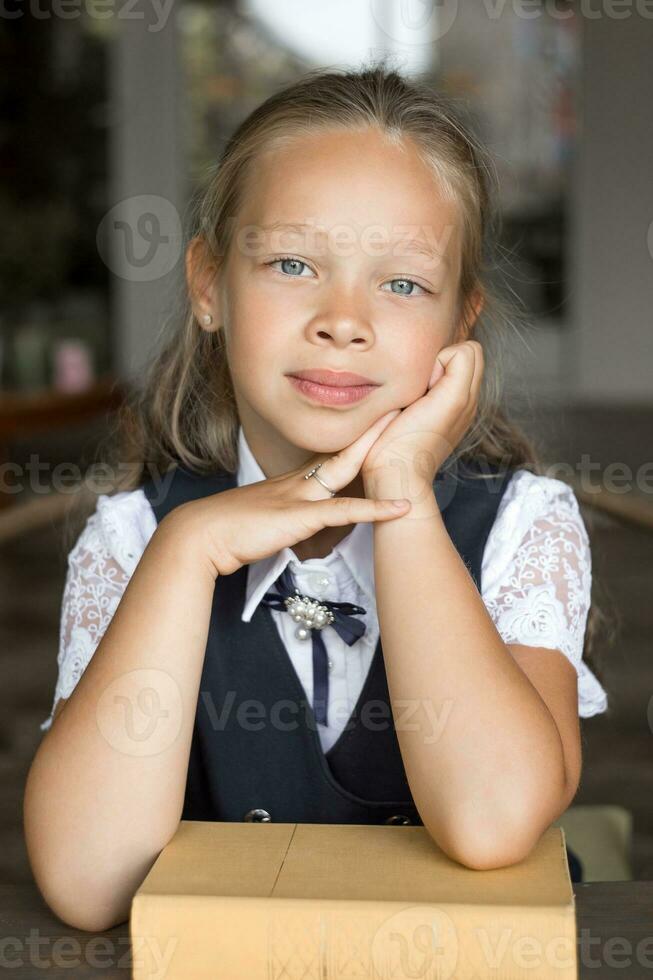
x=366, y=281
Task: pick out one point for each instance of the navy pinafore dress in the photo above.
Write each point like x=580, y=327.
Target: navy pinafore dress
x=256, y=752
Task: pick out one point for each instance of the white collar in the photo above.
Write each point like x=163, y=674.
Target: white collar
x=356, y=550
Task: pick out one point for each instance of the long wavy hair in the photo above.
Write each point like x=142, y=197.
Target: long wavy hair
x=184, y=411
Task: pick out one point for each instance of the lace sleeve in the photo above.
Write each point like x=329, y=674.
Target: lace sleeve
x=99, y=568
x=537, y=575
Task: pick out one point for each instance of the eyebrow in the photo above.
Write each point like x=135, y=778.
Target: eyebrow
x=423, y=248
x=416, y=245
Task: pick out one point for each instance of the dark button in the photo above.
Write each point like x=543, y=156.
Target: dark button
x=398, y=818
x=258, y=816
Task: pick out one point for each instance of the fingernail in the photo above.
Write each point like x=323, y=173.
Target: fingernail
x=400, y=504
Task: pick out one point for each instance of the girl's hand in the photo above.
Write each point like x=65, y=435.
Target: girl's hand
x=426, y=432
x=241, y=525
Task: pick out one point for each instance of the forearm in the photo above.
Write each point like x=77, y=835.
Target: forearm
x=105, y=790
x=482, y=753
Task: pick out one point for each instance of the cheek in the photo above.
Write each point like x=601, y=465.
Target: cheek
x=255, y=334
x=415, y=366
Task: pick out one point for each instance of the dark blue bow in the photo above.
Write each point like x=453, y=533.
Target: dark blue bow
x=348, y=628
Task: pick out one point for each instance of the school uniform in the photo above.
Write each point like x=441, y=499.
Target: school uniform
x=258, y=752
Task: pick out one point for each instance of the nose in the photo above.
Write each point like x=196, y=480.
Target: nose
x=343, y=323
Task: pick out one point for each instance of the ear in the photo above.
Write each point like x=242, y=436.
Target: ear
x=471, y=310
x=203, y=280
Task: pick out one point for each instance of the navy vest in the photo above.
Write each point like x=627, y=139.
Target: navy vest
x=256, y=752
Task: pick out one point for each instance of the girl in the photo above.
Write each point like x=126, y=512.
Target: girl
x=222, y=617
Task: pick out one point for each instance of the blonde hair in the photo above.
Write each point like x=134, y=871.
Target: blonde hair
x=185, y=411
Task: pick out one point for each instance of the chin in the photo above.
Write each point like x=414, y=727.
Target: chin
x=319, y=438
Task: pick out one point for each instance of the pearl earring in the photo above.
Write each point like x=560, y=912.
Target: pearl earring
x=207, y=319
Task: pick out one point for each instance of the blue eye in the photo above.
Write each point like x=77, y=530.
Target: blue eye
x=411, y=282
x=298, y=262
x=288, y=258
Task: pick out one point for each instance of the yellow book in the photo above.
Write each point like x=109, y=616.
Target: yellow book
x=266, y=901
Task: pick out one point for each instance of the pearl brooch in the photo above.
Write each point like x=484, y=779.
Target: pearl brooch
x=309, y=613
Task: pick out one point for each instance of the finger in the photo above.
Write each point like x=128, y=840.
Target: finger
x=341, y=511
x=459, y=361
x=436, y=373
x=479, y=368
x=359, y=448
x=339, y=470
x=441, y=366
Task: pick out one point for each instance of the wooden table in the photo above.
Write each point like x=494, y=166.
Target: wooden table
x=25, y=414
x=22, y=414
x=614, y=918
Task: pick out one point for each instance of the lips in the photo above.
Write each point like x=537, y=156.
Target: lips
x=330, y=394
x=334, y=379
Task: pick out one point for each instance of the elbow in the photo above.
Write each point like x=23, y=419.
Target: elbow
x=78, y=907
x=483, y=846
x=87, y=884
x=74, y=895
x=87, y=921
x=85, y=918
x=483, y=843
x=490, y=854
x=73, y=901
x=484, y=837
x=76, y=899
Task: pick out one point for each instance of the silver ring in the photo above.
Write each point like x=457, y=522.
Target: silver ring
x=313, y=472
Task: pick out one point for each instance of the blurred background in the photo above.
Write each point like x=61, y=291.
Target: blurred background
x=111, y=116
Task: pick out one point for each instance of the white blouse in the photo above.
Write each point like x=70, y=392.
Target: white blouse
x=535, y=578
